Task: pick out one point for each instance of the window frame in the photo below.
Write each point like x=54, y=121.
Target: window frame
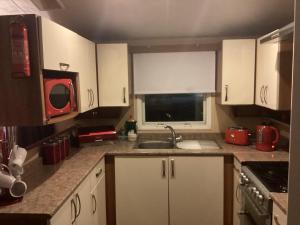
x=186, y=125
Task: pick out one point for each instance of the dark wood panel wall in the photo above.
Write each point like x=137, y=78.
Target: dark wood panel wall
x=20, y=98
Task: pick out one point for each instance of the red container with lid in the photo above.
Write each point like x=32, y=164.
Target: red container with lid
x=61, y=147
x=237, y=136
x=64, y=145
x=51, y=152
x=66, y=140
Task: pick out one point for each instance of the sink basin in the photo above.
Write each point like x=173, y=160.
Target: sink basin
x=197, y=144
x=155, y=145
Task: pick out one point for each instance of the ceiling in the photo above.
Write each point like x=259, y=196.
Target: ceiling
x=104, y=20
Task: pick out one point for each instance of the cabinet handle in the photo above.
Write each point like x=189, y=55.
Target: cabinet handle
x=79, y=202
x=124, y=94
x=93, y=97
x=73, y=100
x=99, y=173
x=226, y=93
x=172, y=168
x=95, y=202
x=163, y=168
x=64, y=66
x=261, y=93
x=266, y=94
x=73, y=207
x=276, y=220
x=89, y=96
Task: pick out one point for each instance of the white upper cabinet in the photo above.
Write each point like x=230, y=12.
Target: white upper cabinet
x=113, y=74
x=85, y=64
x=273, y=74
x=63, y=49
x=237, y=73
x=57, y=42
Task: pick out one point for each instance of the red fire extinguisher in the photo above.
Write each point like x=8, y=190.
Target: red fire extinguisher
x=19, y=48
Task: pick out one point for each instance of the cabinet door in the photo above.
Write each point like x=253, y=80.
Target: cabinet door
x=113, y=74
x=141, y=191
x=55, y=45
x=85, y=60
x=238, y=72
x=278, y=216
x=267, y=75
x=83, y=202
x=99, y=203
x=196, y=189
x=65, y=215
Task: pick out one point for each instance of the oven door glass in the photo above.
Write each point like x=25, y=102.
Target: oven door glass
x=245, y=219
x=253, y=215
x=59, y=96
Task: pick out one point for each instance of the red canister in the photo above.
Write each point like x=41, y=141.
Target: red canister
x=61, y=147
x=51, y=152
x=66, y=142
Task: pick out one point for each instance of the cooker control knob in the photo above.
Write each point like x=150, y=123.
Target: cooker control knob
x=243, y=179
x=260, y=199
x=253, y=190
x=257, y=193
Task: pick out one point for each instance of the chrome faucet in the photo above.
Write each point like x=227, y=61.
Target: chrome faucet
x=174, y=140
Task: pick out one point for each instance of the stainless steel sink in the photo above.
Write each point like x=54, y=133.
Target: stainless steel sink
x=153, y=144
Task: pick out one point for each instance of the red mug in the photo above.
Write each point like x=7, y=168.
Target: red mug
x=267, y=137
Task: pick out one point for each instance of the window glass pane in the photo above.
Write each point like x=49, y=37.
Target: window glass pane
x=174, y=107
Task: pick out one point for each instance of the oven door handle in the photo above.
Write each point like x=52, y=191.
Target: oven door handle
x=242, y=213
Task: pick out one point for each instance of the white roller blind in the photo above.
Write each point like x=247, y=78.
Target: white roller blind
x=174, y=72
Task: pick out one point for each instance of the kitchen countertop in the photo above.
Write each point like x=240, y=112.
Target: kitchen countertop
x=50, y=186
x=281, y=199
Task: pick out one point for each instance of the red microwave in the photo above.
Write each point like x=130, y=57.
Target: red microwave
x=59, y=97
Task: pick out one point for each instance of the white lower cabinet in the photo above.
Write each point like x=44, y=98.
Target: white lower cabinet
x=169, y=190
x=80, y=208
x=196, y=190
x=82, y=199
x=98, y=203
x=279, y=217
x=66, y=214
x=141, y=190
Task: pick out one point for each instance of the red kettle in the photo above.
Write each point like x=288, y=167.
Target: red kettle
x=267, y=137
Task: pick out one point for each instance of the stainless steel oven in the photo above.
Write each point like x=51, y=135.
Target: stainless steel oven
x=257, y=180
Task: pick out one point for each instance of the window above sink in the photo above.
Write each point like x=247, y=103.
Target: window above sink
x=181, y=111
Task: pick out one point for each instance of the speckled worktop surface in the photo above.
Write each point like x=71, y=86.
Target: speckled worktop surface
x=50, y=186
x=281, y=199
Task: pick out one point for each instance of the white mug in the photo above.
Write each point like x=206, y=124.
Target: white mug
x=6, y=180
x=16, y=160
x=18, y=189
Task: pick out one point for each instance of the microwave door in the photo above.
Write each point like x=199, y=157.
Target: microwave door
x=59, y=96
